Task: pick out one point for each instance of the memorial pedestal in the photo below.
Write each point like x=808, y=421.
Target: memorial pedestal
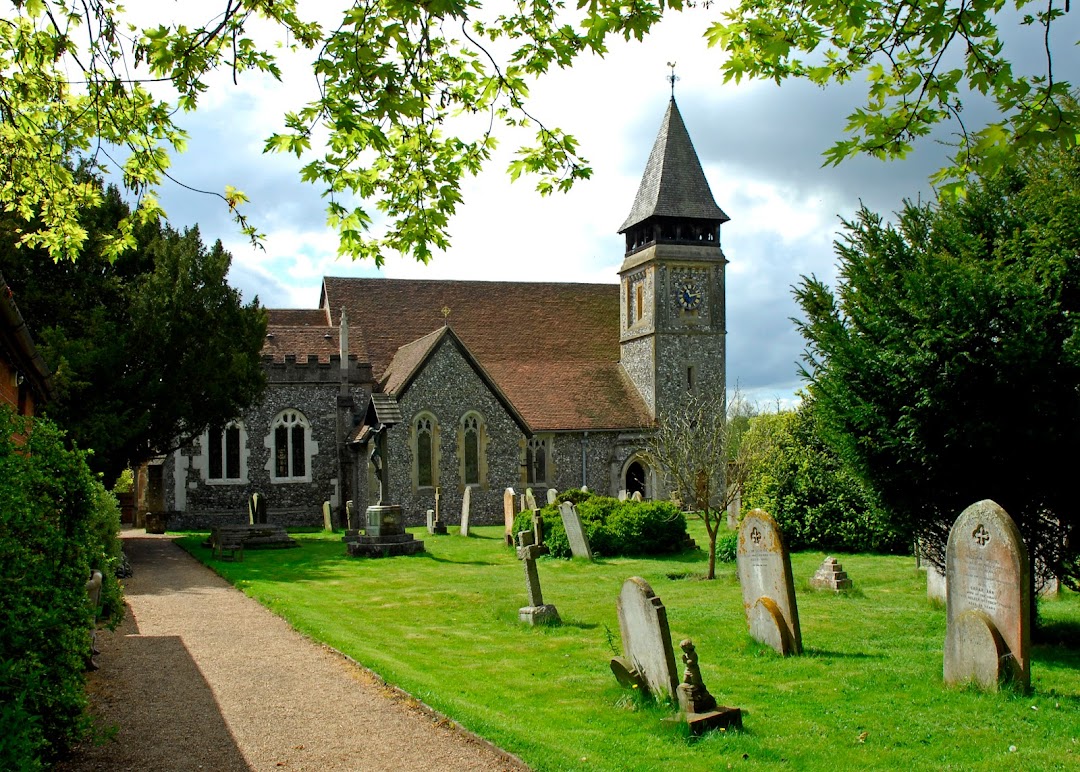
x=384, y=536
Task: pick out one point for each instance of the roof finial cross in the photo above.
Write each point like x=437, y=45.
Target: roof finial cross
x=672, y=78
x=446, y=312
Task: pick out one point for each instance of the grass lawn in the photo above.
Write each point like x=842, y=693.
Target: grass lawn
x=867, y=693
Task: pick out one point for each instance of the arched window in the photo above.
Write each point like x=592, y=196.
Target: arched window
x=537, y=460
x=226, y=453
x=472, y=450
x=290, y=437
x=425, y=451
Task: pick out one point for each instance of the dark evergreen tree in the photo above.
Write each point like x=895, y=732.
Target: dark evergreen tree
x=149, y=350
x=946, y=364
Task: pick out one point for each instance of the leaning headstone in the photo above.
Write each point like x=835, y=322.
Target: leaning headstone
x=508, y=515
x=257, y=509
x=764, y=568
x=530, y=499
x=537, y=612
x=466, y=504
x=698, y=707
x=831, y=576
x=636, y=496
x=327, y=522
x=552, y=496
x=646, y=641
x=987, y=633
x=575, y=531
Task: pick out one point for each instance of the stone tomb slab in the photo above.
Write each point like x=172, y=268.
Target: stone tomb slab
x=987, y=638
x=575, y=531
x=764, y=569
x=646, y=639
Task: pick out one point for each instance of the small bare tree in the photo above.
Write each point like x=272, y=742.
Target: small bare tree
x=706, y=456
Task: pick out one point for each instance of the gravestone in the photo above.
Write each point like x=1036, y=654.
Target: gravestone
x=438, y=494
x=350, y=516
x=622, y=495
x=327, y=522
x=636, y=496
x=530, y=500
x=935, y=583
x=831, y=576
x=466, y=504
x=575, y=531
x=698, y=707
x=987, y=633
x=646, y=641
x=384, y=535
x=521, y=503
x=537, y=612
x=764, y=568
x=257, y=509
x=431, y=521
x=552, y=496
x=508, y=515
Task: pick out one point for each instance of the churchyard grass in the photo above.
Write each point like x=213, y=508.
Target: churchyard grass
x=867, y=693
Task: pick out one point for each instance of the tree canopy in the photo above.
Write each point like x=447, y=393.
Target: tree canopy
x=149, y=349
x=382, y=133
x=946, y=364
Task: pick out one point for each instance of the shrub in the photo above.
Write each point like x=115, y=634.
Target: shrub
x=727, y=546
x=614, y=527
x=57, y=522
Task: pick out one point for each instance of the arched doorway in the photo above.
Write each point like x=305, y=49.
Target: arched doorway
x=635, y=479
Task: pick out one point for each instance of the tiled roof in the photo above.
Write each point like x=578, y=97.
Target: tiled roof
x=303, y=331
x=551, y=349
x=301, y=317
x=673, y=184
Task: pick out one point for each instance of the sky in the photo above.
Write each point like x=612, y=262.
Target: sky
x=760, y=146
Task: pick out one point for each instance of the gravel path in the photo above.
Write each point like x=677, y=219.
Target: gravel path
x=199, y=676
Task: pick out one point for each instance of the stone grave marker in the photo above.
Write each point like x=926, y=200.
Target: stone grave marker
x=764, y=568
x=384, y=535
x=431, y=521
x=575, y=531
x=327, y=520
x=935, y=583
x=831, y=576
x=636, y=497
x=698, y=707
x=537, y=612
x=622, y=494
x=646, y=641
x=466, y=503
x=350, y=516
x=508, y=515
x=987, y=633
x=257, y=509
x=584, y=488
x=552, y=496
x=530, y=500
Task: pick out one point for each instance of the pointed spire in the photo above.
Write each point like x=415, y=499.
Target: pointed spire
x=674, y=183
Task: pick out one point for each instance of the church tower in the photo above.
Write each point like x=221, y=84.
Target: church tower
x=672, y=322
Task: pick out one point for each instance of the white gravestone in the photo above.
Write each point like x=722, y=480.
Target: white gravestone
x=327, y=523
x=530, y=500
x=508, y=515
x=764, y=568
x=987, y=634
x=466, y=503
x=552, y=495
x=575, y=531
x=646, y=639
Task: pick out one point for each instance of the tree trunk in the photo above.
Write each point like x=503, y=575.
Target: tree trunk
x=713, y=529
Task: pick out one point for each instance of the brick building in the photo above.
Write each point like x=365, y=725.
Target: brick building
x=25, y=379
x=482, y=384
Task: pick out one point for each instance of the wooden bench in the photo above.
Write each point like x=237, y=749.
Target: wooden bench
x=228, y=540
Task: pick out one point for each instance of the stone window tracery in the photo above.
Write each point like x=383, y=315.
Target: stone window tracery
x=290, y=446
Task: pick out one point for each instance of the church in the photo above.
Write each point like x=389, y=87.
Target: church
x=407, y=390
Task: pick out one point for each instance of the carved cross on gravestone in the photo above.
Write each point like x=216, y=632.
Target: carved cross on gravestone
x=981, y=535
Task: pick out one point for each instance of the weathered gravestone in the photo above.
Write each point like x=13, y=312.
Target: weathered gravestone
x=648, y=659
x=350, y=516
x=537, y=612
x=987, y=634
x=327, y=522
x=698, y=707
x=764, y=568
x=257, y=509
x=622, y=494
x=552, y=496
x=636, y=496
x=431, y=521
x=831, y=576
x=530, y=499
x=466, y=504
x=935, y=583
x=384, y=535
x=508, y=515
x=575, y=531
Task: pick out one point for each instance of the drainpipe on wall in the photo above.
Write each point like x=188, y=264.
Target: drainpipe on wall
x=584, y=461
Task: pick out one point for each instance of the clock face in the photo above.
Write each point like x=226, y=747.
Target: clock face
x=689, y=295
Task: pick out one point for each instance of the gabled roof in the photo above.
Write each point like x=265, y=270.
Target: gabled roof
x=19, y=347
x=306, y=331
x=673, y=184
x=411, y=358
x=551, y=348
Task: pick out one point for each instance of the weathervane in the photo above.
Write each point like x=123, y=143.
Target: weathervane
x=672, y=78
